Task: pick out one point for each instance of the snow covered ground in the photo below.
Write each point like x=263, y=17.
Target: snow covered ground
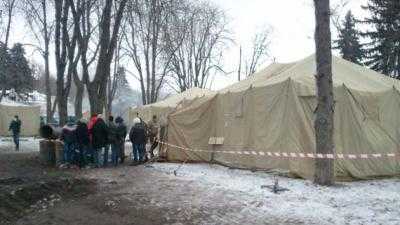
x=361, y=202
x=208, y=188
x=27, y=144
x=37, y=99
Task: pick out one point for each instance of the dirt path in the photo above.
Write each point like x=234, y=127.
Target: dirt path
x=144, y=196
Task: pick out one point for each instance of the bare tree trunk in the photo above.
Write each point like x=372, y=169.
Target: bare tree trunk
x=60, y=52
x=49, y=114
x=97, y=89
x=324, y=168
x=65, y=52
x=2, y=94
x=78, y=101
x=37, y=18
x=109, y=96
x=8, y=30
x=240, y=63
x=143, y=89
x=11, y=5
x=80, y=88
x=53, y=110
x=95, y=106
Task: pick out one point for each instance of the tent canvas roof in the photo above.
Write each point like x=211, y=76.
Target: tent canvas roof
x=173, y=101
x=303, y=72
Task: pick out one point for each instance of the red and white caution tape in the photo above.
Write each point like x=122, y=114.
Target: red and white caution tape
x=291, y=155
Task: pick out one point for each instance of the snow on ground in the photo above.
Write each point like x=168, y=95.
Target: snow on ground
x=27, y=144
x=360, y=202
x=354, y=203
x=12, y=103
x=35, y=99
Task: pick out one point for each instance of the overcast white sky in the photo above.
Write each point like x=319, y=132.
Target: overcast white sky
x=292, y=22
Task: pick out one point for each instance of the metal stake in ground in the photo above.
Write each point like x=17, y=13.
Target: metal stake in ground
x=275, y=188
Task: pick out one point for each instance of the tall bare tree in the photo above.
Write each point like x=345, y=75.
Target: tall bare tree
x=114, y=80
x=61, y=34
x=110, y=22
x=67, y=55
x=143, y=35
x=115, y=83
x=108, y=41
x=259, y=51
x=41, y=23
x=195, y=40
x=85, y=18
x=324, y=168
x=8, y=7
x=111, y=16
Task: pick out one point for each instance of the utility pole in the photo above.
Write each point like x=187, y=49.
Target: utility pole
x=240, y=63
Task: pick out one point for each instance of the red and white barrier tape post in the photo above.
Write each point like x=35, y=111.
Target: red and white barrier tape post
x=291, y=155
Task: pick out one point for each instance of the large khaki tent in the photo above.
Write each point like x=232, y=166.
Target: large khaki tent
x=273, y=111
x=163, y=108
x=29, y=116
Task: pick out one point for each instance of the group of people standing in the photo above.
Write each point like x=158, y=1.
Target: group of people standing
x=90, y=143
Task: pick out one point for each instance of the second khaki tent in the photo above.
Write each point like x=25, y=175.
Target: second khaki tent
x=163, y=108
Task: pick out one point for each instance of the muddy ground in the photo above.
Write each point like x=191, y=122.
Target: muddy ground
x=27, y=187
x=34, y=194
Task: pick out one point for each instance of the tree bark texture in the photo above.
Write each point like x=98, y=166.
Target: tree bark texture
x=49, y=114
x=97, y=89
x=80, y=88
x=323, y=124
x=11, y=6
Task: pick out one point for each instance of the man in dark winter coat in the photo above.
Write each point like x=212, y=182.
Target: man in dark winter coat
x=121, y=135
x=137, y=135
x=99, y=138
x=68, y=136
x=113, y=141
x=83, y=142
x=15, y=128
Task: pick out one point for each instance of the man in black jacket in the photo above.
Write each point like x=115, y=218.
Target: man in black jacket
x=137, y=135
x=121, y=135
x=99, y=139
x=82, y=137
x=15, y=128
x=113, y=141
